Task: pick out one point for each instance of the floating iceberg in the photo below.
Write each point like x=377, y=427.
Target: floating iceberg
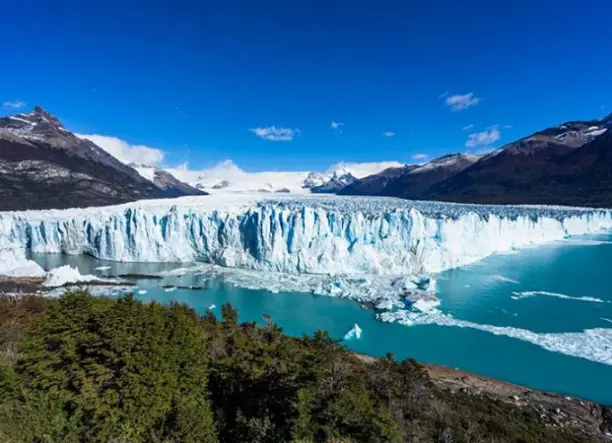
x=354, y=333
x=211, y=307
x=315, y=235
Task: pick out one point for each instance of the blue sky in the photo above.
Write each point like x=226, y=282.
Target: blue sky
x=192, y=78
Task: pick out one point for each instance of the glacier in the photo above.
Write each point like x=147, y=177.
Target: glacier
x=329, y=235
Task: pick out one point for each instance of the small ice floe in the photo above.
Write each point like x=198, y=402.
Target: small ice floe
x=353, y=333
x=142, y=292
x=385, y=304
x=422, y=302
x=170, y=289
x=102, y=268
x=211, y=307
x=422, y=283
x=502, y=279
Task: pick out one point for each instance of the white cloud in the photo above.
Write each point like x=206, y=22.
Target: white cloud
x=420, y=157
x=388, y=134
x=487, y=137
x=467, y=127
x=507, y=126
x=273, y=133
x=17, y=104
x=336, y=125
x=461, y=102
x=126, y=152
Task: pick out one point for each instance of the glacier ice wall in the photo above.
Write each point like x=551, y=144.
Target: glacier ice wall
x=320, y=235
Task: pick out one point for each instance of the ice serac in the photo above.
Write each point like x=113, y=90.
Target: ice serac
x=316, y=235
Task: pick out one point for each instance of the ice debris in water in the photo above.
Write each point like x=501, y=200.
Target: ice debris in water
x=528, y=294
x=171, y=289
x=102, y=268
x=142, y=292
x=211, y=307
x=354, y=333
x=592, y=344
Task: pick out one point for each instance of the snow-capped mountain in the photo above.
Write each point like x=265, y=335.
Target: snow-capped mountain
x=339, y=180
x=375, y=183
x=43, y=165
x=411, y=180
x=166, y=181
x=343, y=174
x=313, y=180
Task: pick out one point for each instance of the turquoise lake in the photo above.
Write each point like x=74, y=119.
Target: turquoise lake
x=571, y=282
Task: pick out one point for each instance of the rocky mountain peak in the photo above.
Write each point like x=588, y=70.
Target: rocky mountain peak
x=313, y=179
x=32, y=125
x=38, y=110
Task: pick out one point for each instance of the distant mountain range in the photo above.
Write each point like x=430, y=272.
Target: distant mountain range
x=165, y=181
x=411, y=181
x=340, y=179
x=228, y=177
x=43, y=165
x=569, y=164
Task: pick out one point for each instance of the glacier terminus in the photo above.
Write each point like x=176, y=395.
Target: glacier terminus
x=306, y=235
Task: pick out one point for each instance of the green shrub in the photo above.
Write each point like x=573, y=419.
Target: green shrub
x=101, y=370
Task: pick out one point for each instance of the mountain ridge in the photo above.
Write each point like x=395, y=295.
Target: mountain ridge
x=567, y=164
x=45, y=166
